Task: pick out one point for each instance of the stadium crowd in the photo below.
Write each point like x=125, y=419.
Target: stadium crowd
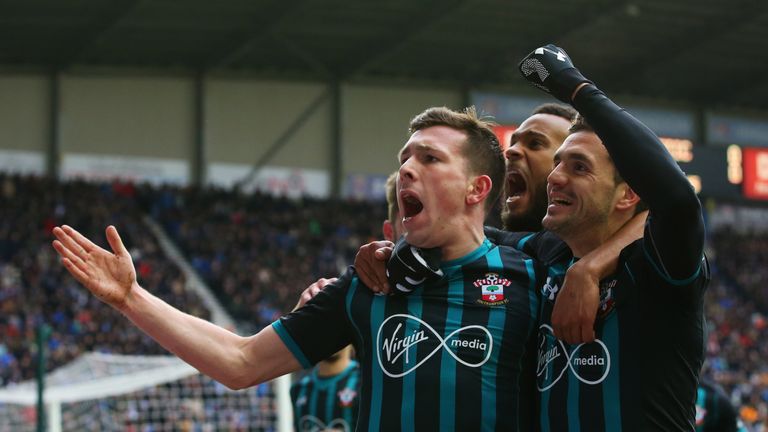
x=738, y=324
x=258, y=252
x=34, y=287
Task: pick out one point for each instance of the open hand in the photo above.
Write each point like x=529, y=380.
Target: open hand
x=110, y=276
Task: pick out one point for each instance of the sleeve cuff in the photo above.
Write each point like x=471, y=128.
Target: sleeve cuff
x=293, y=347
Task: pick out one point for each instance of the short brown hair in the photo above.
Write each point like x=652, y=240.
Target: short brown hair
x=482, y=150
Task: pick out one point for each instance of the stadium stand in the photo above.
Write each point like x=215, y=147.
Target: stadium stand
x=258, y=252
x=738, y=327
x=35, y=289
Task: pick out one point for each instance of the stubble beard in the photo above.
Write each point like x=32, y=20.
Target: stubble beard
x=530, y=220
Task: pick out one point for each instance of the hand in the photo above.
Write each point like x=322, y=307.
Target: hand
x=370, y=265
x=573, y=317
x=550, y=69
x=409, y=267
x=312, y=291
x=109, y=276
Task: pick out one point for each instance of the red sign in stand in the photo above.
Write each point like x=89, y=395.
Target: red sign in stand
x=755, y=173
x=504, y=133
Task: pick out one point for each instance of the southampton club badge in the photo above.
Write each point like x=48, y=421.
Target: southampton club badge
x=346, y=397
x=492, y=287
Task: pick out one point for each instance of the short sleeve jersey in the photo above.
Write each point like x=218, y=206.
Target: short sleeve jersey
x=446, y=357
x=326, y=402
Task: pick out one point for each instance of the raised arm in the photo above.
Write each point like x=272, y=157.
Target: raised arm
x=235, y=361
x=675, y=233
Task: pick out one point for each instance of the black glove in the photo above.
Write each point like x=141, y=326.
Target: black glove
x=409, y=267
x=550, y=69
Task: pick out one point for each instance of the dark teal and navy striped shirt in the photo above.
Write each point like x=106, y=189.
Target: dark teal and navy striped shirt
x=641, y=371
x=322, y=403
x=446, y=357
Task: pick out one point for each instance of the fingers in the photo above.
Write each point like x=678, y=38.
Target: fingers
x=66, y=253
x=76, y=272
x=83, y=242
x=369, y=269
x=113, y=238
x=322, y=282
x=383, y=253
x=67, y=242
x=70, y=259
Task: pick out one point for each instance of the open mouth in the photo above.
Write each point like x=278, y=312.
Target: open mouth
x=411, y=205
x=516, y=185
x=559, y=200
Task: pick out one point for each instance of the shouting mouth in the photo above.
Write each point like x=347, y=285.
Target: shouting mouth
x=412, y=206
x=517, y=187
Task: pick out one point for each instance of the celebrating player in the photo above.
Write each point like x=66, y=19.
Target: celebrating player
x=456, y=341
x=642, y=370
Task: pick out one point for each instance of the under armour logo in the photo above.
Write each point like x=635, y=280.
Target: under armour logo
x=548, y=290
x=395, y=349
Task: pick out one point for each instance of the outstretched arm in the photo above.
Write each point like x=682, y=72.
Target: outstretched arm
x=233, y=360
x=675, y=234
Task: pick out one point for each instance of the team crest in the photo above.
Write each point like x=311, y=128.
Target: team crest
x=607, y=300
x=347, y=397
x=492, y=287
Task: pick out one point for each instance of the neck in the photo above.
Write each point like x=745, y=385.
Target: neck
x=328, y=368
x=469, y=236
x=583, y=241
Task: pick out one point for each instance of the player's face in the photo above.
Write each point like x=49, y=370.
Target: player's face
x=529, y=162
x=581, y=188
x=432, y=184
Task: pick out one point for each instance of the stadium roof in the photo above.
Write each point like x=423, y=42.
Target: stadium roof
x=711, y=53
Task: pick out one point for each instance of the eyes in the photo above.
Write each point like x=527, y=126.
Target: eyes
x=575, y=166
x=426, y=158
x=532, y=144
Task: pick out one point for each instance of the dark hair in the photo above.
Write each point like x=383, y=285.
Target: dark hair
x=556, y=109
x=580, y=124
x=482, y=150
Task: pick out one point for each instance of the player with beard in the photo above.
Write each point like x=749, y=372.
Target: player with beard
x=641, y=372
x=529, y=160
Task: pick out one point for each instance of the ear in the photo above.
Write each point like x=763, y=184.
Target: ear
x=388, y=231
x=479, y=189
x=627, y=198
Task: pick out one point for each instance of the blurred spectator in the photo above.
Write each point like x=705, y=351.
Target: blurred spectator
x=259, y=252
x=738, y=330
x=34, y=289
